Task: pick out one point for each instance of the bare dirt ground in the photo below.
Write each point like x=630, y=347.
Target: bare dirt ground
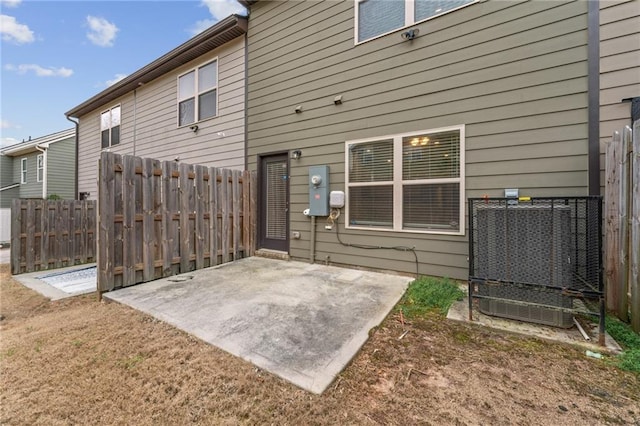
x=78, y=361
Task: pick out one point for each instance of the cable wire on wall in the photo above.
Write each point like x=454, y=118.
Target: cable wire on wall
x=332, y=220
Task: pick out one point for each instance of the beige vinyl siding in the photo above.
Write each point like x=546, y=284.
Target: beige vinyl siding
x=514, y=73
x=154, y=127
x=619, y=67
x=61, y=169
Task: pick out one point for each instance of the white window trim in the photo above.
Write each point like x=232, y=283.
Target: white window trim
x=39, y=160
x=23, y=170
x=100, y=127
x=409, y=14
x=217, y=87
x=398, y=182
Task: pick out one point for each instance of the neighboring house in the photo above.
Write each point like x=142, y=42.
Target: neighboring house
x=417, y=105
x=187, y=105
x=37, y=168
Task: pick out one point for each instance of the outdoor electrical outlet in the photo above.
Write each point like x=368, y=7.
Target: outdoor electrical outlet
x=296, y=235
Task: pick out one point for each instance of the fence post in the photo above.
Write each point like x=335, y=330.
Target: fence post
x=635, y=230
x=623, y=296
x=612, y=221
x=16, y=229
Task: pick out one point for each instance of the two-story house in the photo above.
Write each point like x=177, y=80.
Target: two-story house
x=187, y=105
x=37, y=168
x=416, y=106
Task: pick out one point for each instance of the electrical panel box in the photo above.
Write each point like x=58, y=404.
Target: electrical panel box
x=319, y=191
x=336, y=199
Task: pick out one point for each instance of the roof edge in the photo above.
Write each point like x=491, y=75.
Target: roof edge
x=47, y=139
x=132, y=81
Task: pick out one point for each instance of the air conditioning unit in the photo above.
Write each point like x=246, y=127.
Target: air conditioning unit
x=523, y=254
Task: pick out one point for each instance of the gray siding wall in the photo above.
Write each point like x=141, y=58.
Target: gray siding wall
x=61, y=159
x=149, y=121
x=514, y=73
x=619, y=66
x=7, y=178
x=33, y=188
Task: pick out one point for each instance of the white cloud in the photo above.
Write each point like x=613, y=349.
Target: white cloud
x=5, y=124
x=10, y=3
x=4, y=142
x=15, y=32
x=101, y=32
x=219, y=9
x=116, y=78
x=40, y=71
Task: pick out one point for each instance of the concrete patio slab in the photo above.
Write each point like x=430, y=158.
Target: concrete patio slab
x=302, y=322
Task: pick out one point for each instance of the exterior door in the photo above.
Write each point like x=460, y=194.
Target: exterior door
x=274, y=202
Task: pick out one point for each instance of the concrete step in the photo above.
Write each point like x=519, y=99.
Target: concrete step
x=272, y=254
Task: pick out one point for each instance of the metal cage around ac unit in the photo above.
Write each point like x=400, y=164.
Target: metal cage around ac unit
x=531, y=259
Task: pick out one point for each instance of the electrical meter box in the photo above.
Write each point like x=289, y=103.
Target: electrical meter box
x=319, y=191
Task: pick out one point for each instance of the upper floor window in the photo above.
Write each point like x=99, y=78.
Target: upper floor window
x=410, y=182
x=378, y=17
x=198, y=94
x=110, y=127
x=40, y=163
x=23, y=170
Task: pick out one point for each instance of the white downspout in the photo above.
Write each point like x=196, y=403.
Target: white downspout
x=43, y=150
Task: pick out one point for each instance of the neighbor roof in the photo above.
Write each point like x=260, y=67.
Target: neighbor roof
x=30, y=145
x=215, y=36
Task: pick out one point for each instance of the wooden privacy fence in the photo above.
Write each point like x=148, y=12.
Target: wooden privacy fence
x=158, y=219
x=622, y=225
x=48, y=234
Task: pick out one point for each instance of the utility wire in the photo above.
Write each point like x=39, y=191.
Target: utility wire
x=333, y=219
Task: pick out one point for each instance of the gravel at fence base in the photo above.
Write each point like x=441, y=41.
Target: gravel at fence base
x=72, y=282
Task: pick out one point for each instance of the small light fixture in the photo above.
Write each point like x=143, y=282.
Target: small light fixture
x=194, y=128
x=299, y=109
x=410, y=34
x=337, y=100
x=296, y=154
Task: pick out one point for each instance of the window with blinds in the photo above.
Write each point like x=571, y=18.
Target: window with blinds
x=410, y=182
x=378, y=17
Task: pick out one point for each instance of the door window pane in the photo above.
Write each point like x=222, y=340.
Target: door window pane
x=276, y=200
x=379, y=16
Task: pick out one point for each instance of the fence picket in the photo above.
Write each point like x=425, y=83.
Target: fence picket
x=200, y=230
x=214, y=228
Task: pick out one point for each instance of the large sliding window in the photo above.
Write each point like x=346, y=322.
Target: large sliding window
x=378, y=17
x=412, y=182
x=198, y=94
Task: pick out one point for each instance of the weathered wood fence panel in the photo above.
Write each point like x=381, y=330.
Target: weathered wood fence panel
x=622, y=225
x=51, y=234
x=158, y=219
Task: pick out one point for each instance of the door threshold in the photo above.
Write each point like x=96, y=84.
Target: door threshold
x=272, y=254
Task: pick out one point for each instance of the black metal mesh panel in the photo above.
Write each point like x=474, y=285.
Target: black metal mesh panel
x=541, y=252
